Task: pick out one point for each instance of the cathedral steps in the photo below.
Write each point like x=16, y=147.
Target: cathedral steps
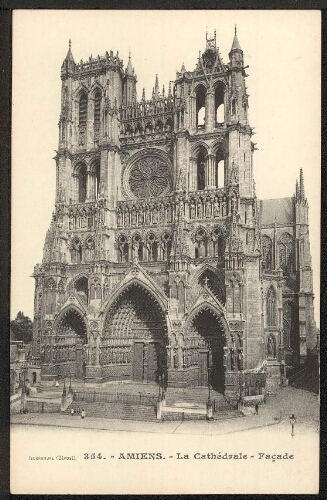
x=120, y=411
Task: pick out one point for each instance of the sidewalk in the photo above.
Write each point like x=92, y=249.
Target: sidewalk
x=289, y=400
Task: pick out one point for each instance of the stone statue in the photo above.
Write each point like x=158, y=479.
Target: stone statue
x=192, y=210
x=216, y=207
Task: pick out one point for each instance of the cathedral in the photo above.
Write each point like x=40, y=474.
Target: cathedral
x=161, y=265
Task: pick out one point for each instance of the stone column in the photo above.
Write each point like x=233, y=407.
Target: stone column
x=97, y=351
x=210, y=181
x=209, y=106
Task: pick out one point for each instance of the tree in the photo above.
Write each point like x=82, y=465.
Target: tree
x=22, y=328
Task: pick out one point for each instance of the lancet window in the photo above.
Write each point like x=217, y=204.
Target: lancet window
x=286, y=252
x=219, y=105
x=200, y=107
x=201, y=169
x=95, y=180
x=81, y=183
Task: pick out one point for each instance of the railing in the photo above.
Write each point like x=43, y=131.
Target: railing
x=115, y=397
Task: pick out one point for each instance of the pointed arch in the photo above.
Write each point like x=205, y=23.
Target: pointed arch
x=219, y=103
x=80, y=172
x=197, y=147
x=72, y=322
x=150, y=288
x=216, y=310
x=213, y=281
x=200, y=92
x=95, y=179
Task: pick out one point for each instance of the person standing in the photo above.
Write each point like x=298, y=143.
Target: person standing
x=256, y=408
x=83, y=413
x=72, y=412
x=292, y=421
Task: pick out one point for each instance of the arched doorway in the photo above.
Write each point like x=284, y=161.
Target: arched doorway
x=137, y=322
x=71, y=335
x=208, y=334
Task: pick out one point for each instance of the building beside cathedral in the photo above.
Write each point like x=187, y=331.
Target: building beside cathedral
x=160, y=263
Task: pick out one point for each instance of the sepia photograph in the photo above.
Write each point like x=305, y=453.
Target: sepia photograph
x=165, y=287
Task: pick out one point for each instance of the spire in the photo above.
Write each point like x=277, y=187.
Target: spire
x=143, y=94
x=156, y=87
x=129, y=69
x=297, y=190
x=68, y=66
x=183, y=69
x=302, y=195
x=236, y=43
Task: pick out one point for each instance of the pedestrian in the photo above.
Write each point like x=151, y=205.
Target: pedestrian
x=292, y=421
x=83, y=414
x=57, y=383
x=256, y=408
x=78, y=410
x=72, y=412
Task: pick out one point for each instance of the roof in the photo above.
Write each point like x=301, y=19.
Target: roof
x=236, y=44
x=279, y=210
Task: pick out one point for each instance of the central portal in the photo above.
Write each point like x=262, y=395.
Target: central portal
x=149, y=362
x=209, y=336
x=137, y=322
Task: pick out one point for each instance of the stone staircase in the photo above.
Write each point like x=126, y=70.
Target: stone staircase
x=120, y=411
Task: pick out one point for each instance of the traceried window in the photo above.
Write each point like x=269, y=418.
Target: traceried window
x=286, y=252
x=149, y=177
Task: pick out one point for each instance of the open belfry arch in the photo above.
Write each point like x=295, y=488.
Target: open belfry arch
x=160, y=262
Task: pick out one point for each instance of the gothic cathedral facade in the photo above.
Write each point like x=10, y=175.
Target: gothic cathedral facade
x=160, y=262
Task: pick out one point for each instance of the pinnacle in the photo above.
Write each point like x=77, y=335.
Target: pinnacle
x=236, y=43
x=129, y=69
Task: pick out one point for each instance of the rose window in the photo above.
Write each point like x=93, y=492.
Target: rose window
x=149, y=177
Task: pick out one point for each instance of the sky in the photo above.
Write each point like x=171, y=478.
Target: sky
x=282, y=49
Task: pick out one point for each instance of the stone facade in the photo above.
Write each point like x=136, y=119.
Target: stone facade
x=160, y=264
